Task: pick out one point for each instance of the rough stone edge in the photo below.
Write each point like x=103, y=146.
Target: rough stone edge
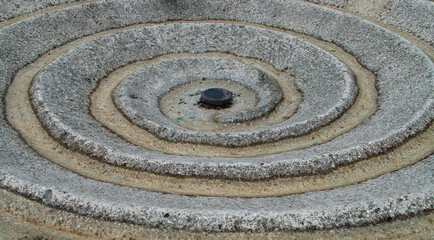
x=398, y=19
x=197, y=219
x=267, y=101
x=232, y=139
x=15, y=8
x=298, y=168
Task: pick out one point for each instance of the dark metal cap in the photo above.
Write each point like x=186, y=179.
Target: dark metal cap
x=216, y=97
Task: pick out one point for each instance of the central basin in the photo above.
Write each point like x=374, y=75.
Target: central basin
x=183, y=104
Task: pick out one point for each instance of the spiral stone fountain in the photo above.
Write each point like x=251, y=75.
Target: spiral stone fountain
x=328, y=133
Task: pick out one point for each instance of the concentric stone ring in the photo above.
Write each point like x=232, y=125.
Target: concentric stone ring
x=148, y=85
x=82, y=85
x=318, y=72
x=60, y=117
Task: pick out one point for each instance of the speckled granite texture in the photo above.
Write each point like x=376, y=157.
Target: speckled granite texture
x=371, y=201
x=60, y=97
x=10, y=9
x=327, y=85
x=413, y=16
x=138, y=95
x=395, y=63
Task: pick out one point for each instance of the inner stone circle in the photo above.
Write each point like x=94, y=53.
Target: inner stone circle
x=151, y=83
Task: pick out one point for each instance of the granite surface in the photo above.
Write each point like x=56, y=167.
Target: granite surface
x=403, y=110
x=327, y=85
x=395, y=64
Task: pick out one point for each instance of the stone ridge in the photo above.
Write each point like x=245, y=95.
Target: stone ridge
x=328, y=86
x=395, y=63
x=404, y=110
x=413, y=16
x=11, y=9
x=354, y=205
x=149, y=84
